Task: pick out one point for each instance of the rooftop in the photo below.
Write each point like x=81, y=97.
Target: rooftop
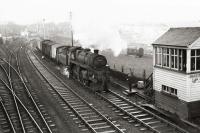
x=183, y=36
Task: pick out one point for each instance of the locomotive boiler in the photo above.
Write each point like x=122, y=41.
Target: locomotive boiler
x=89, y=68
x=93, y=60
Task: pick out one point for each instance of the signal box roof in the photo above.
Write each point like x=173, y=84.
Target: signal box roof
x=179, y=37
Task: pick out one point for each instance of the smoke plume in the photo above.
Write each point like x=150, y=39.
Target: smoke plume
x=102, y=36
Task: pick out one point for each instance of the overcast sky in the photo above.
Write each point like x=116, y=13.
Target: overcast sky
x=111, y=11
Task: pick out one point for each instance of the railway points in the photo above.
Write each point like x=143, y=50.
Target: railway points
x=24, y=111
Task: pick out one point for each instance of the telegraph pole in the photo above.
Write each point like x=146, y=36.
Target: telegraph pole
x=44, y=28
x=70, y=19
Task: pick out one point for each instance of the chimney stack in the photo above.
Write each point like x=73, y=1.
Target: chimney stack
x=96, y=51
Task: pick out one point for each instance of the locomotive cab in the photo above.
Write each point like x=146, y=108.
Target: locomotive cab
x=72, y=52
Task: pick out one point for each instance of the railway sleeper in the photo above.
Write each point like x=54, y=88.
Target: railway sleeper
x=90, y=117
x=131, y=120
x=130, y=109
x=6, y=130
x=2, y=117
x=116, y=100
x=109, y=131
x=101, y=127
x=97, y=124
x=5, y=126
x=75, y=118
x=127, y=107
x=148, y=119
x=81, y=108
x=81, y=105
x=84, y=111
x=72, y=115
x=143, y=128
x=136, y=112
x=126, y=117
x=78, y=103
x=122, y=105
x=90, y=113
x=73, y=101
x=4, y=121
x=152, y=122
x=120, y=114
x=95, y=120
x=141, y=115
x=117, y=111
x=69, y=97
x=84, y=129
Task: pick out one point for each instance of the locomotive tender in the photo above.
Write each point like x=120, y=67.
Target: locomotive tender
x=89, y=68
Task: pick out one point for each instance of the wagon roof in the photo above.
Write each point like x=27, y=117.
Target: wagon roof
x=183, y=36
x=56, y=45
x=63, y=46
x=47, y=40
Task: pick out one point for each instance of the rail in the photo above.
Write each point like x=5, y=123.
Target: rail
x=140, y=114
x=50, y=77
x=7, y=115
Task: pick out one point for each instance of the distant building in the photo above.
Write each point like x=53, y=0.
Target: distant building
x=132, y=48
x=177, y=71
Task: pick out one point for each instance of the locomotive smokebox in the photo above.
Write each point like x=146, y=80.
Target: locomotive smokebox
x=96, y=51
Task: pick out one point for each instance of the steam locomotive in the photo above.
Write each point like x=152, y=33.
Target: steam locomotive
x=89, y=68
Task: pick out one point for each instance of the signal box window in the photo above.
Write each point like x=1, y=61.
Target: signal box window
x=166, y=57
x=174, y=58
x=171, y=58
x=169, y=90
x=158, y=56
x=195, y=60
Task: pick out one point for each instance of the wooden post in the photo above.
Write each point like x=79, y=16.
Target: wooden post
x=154, y=55
x=188, y=61
x=131, y=72
x=144, y=75
x=122, y=68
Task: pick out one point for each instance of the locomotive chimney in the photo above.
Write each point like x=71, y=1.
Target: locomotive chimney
x=96, y=51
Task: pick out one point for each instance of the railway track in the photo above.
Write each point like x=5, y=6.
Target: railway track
x=89, y=118
x=142, y=118
x=38, y=109
x=142, y=97
x=5, y=119
x=16, y=110
x=25, y=113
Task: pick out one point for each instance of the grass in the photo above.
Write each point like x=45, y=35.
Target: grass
x=138, y=65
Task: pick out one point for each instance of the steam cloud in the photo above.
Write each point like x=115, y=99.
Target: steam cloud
x=97, y=35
